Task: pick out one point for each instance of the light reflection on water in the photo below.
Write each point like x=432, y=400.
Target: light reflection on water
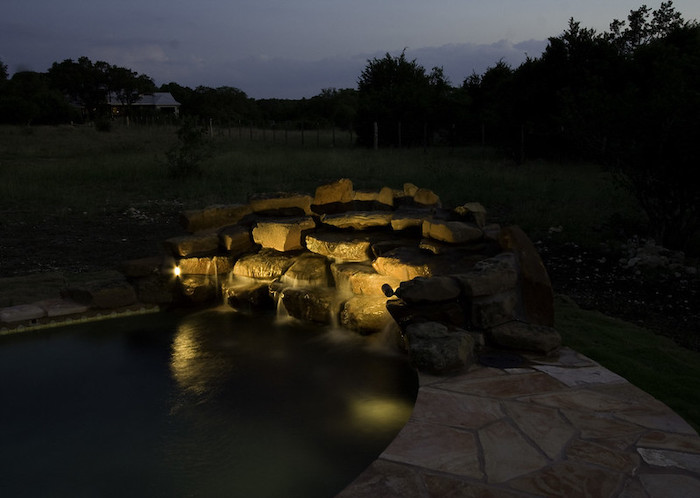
x=207, y=404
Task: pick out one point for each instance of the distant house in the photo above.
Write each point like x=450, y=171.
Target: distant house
x=158, y=101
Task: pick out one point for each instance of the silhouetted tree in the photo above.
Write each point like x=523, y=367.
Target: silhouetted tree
x=395, y=93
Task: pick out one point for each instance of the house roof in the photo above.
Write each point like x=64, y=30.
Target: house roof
x=157, y=99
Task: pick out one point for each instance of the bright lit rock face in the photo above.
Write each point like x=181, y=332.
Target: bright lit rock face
x=369, y=261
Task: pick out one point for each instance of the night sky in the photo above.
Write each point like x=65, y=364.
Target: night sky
x=291, y=49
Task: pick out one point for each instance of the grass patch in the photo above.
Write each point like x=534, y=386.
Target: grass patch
x=652, y=362
x=77, y=169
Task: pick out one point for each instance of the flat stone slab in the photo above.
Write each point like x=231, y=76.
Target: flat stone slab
x=504, y=432
x=61, y=307
x=358, y=220
x=21, y=312
x=213, y=216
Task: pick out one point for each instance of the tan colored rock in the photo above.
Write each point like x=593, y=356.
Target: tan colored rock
x=365, y=314
x=525, y=336
x=282, y=235
x=536, y=288
x=403, y=220
x=308, y=271
x=340, y=246
x=361, y=279
x=384, y=196
x=267, y=264
x=215, y=265
x=191, y=245
x=358, y=220
x=316, y=305
x=403, y=264
x=235, y=239
x=213, y=217
x=339, y=191
x=281, y=201
x=409, y=189
x=473, y=211
x=454, y=232
x=426, y=197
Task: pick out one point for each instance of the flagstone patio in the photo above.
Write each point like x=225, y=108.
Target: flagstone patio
x=567, y=427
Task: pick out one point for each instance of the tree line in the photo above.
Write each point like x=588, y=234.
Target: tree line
x=627, y=98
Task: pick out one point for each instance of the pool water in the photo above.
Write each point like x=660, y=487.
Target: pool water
x=211, y=403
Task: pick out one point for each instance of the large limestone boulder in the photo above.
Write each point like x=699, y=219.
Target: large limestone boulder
x=404, y=263
x=308, y=270
x=525, y=336
x=268, y=264
x=282, y=235
x=361, y=279
x=317, y=305
x=213, y=217
x=433, y=348
x=215, y=265
x=192, y=245
x=358, y=220
x=235, y=239
x=535, y=286
x=340, y=246
x=365, y=314
x=339, y=191
x=384, y=197
x=454, y=232
x=246, y=295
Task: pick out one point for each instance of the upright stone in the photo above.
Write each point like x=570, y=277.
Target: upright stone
x=308, y=270
x=536, y=288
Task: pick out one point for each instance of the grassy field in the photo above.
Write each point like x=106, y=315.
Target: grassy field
x=52, y=169
x=60, y=170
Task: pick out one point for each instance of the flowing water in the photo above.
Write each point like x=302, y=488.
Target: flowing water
x=211, y=403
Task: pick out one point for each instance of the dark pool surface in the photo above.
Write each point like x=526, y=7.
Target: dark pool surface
x=207, y=404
